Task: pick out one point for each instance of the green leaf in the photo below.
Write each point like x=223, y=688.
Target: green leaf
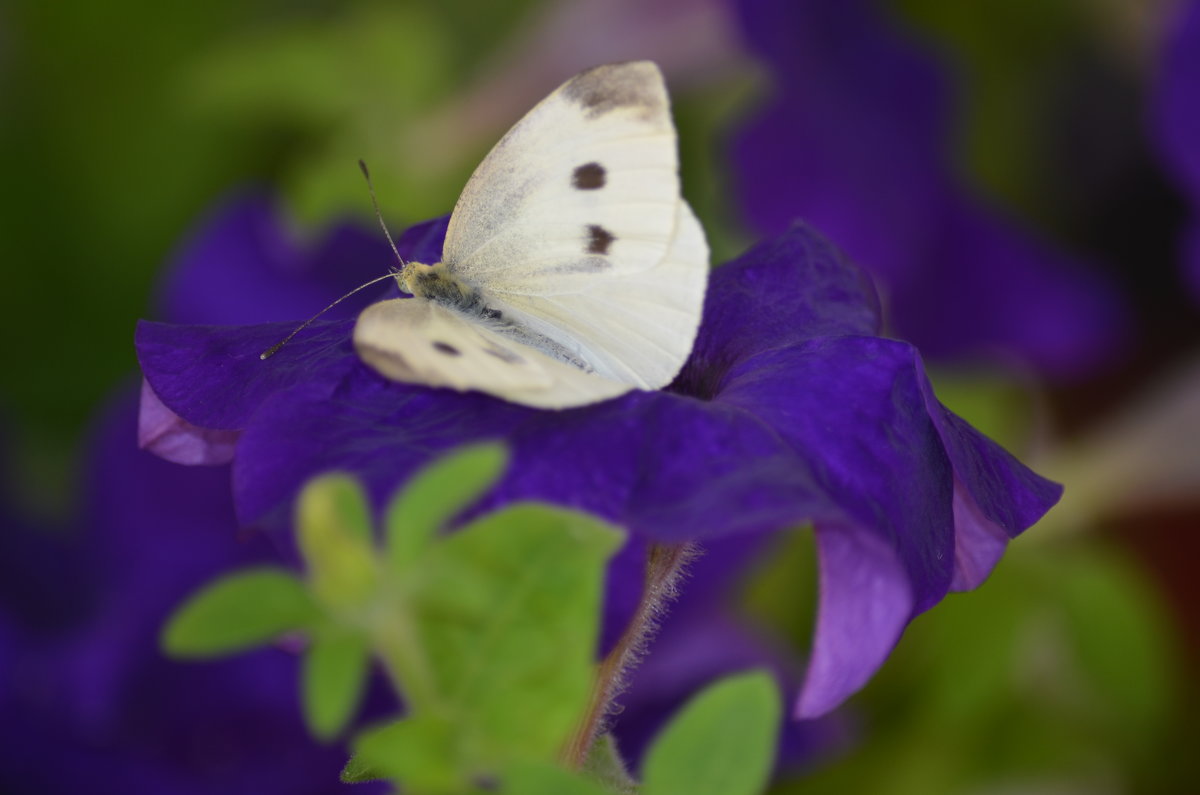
x=239, y=611
x=721, y=743
x=335, y=676
x=334, y=532
x=359, y=771
x=419, y=753
x=436, y=494
x=543, y=778
x=1121, y=645
x=509, y=611
x=605, y=766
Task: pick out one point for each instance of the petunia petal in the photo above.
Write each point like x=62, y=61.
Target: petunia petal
x=854, y=140
x=1004, y=492
x=213, y=376
x=172, y=438
x=92, y=699
x=865, y=602
x=1177, y=114
x=786, y=289
x=383, y=432
x=854, y=409
x=1176, y=126
x=245, y=264
x=667, y=467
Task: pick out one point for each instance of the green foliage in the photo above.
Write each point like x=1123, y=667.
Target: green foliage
x=488, y=632
x=422, y=753
x=1055, y=673
x=238, y=612
x=491, y=632
x=335, y=676
x=509, y=611
x=130, y=181
x=703, y=119
x=605, y=766
x=334, y=532
x=434, y=495
x=721, y=743
x=544, y=779
x=1011, y=57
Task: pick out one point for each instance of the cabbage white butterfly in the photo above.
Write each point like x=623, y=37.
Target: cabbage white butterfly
x=572, y=272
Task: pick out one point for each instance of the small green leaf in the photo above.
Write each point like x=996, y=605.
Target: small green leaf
x=721, y=743
x=543, y=778
x=334, y=531
x=605, y=765
x=359, y=771
x=239, y=611
x=335, y=676
x=418, y=753
x=509, y=612
x=436, y=494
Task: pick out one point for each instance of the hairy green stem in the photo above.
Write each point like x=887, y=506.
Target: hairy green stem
x=664, y=564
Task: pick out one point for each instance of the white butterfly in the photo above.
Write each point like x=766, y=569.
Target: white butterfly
x=573, y=271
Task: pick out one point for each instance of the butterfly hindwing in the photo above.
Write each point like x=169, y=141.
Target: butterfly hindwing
x=420, y=342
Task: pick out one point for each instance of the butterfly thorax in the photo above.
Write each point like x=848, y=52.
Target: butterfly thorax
x=436, y=283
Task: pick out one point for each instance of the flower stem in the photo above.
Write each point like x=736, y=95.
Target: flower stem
x=664, y=564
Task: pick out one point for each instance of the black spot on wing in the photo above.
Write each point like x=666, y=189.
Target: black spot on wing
x=446, y=348
x=599, y=239
x=589, y=176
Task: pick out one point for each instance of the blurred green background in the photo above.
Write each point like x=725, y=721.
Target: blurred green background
x=121, y=123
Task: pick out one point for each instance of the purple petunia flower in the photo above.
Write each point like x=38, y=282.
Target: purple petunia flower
x=1177, y=122
x=89, y=702
x=855, y=138
x=790, y=410
x=244, y=266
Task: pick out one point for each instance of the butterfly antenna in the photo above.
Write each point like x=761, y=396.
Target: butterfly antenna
x=371, y=190
x=269, y=352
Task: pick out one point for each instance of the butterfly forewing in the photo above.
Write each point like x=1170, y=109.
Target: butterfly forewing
x=586, y=185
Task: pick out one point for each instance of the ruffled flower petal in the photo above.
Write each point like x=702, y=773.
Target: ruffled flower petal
x=170, y=437
x=865, y=601
x=243, y=264
x=789, y=411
